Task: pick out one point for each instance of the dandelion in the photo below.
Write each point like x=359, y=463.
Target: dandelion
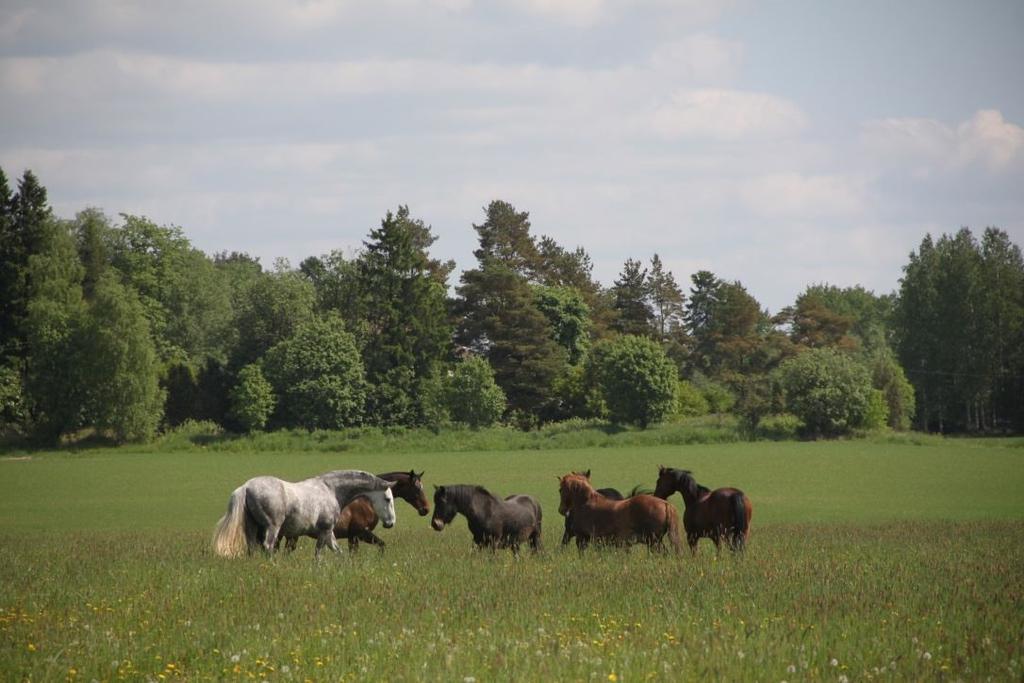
x=833, y=662
x=31, y=647
x=844, y=679
x=612, y=677
x=927, y=656
x=235, y=658
x=469, y=679
x=791, y=669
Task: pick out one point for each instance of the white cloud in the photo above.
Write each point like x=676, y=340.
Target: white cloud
x=700, y=58
x=726, y=115
x=803, y=195
x=928, y=146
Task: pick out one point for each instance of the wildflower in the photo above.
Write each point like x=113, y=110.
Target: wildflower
x=235, y=658
x=612, y=677
x=927, y=656
x=31, y=647
x=833, y=662
x=844, y=679
x=469, y=679
x=791, y=669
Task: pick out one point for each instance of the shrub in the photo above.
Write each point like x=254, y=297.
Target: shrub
x=472, y=395
x=252, y=399
x=690, y=402
x=829, y=390
x=637, y=379
x=718, y=396
x=877, y=415
x=887, y=375
x=781, y=427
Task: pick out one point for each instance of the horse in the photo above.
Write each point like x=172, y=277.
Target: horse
x=264, y=508
x=641, y=518
x=609, y=493
x=722, y=513
x=494, y=523
x=358, y=519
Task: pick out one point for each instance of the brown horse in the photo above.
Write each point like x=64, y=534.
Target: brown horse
x=722, y=513
x=358, y=519
x=641, y=518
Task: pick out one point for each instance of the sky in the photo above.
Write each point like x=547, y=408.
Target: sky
x=778, y=143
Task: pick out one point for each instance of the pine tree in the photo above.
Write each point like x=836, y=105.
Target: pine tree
x=666, y=299
x=404, y=309
x=634, y=314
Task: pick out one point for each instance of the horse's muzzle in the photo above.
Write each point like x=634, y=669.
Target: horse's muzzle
x=388, y=525
x=437, y=524
x=424, y=512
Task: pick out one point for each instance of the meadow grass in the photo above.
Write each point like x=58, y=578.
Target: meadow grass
x=867, y=560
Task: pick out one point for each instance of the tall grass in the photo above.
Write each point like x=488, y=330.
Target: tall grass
x=905, y=601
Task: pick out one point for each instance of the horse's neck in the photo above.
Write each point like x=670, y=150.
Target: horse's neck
x=586, y=496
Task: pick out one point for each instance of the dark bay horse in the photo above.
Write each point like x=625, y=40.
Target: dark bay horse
x=358, y=519
x=640, y=518
x=494, y=523
x=722, y=513
x=609, y=493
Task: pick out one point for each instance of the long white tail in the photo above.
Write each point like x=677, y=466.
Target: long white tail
x=229, y=535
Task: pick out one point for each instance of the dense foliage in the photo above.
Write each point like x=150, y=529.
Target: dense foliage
x=121, y=328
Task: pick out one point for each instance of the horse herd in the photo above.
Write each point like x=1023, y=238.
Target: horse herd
x=350, y=503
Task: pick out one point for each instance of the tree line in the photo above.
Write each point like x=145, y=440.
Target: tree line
x=123, y=328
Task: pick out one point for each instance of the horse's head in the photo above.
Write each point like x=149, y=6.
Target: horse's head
x=383, y=502
x=671, y=480
x=410, y=489
x=444, y=509
x=666, y=485
x=570, y=487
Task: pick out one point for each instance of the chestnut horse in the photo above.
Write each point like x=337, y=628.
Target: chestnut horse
x=641, y=518
x=358, y=519
x=722, y=513
x=609, y=493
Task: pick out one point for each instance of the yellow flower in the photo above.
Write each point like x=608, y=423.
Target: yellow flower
x=31, y=647
x=612, y=677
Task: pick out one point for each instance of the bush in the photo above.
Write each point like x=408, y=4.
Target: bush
x=783, y=427
x=690, y=402
x=252, y=399
x=887, y=375
x=637, y=379
x=829, y=390
x=12, y=403
x=877, y=415
x=718, y=397
x=472, y=395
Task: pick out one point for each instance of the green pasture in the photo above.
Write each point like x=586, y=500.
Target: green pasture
x=867, y=560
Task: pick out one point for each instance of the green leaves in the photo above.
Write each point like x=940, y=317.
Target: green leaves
x=637, y=379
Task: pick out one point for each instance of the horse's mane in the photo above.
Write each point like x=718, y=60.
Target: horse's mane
x=354, y=477
x=463, y=492
x=684, y=478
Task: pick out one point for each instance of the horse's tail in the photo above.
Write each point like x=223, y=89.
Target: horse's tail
x=673, y=526
x=229, y=538
x=740, y=522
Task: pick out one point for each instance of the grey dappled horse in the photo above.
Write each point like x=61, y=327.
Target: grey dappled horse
x=265, y=508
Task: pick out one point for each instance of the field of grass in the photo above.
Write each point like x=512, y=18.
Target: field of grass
x=867, y=560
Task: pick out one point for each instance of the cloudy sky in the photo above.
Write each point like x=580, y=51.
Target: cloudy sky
x=780, y=143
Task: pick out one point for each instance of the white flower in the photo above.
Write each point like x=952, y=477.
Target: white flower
x=235, y=658
x=833, y=662
x=791, y=669
x=927, y=656
x=844, y=679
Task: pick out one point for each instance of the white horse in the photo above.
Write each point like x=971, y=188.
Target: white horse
x=264, y=509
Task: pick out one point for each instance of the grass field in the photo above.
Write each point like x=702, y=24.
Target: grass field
x=867, y=560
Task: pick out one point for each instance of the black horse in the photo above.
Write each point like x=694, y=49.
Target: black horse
x=720, y=514
x=494, y=523
x=609, y=493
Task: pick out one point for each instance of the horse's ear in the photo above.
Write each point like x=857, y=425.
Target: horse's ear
x=661, y=469
x=587, y=473
x=420, y=475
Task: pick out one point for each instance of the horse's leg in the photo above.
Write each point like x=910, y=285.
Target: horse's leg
x=691, y=540
x=325, y=538
x=291, y=543
x=373, y=539
x=535, y=540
